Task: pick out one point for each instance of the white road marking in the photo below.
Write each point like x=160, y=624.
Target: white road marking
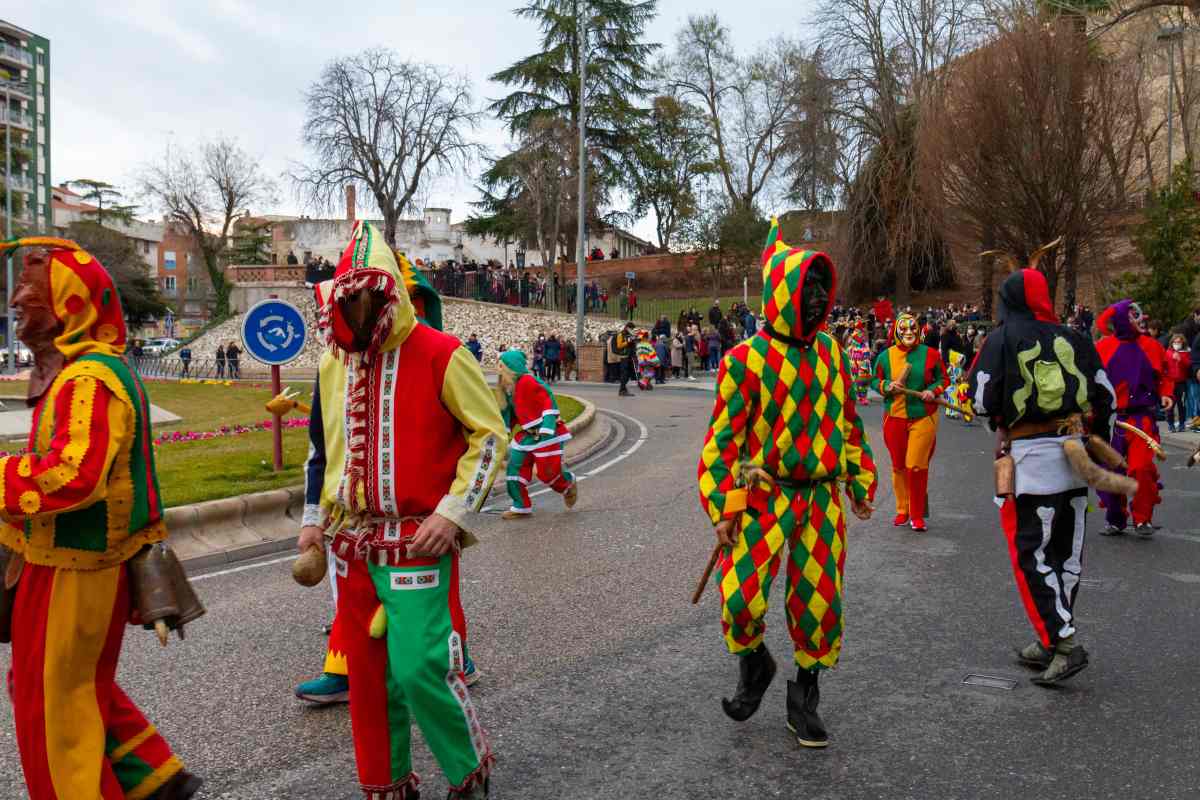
x=243, y=568
x=644, y=434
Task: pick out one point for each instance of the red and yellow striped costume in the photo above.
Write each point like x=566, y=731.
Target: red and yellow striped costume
x=77, y=507
x=785, y=403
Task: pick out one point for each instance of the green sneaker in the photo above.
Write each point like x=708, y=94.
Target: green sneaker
x=1069, y=659
x=327, y=689
x=1034, y=656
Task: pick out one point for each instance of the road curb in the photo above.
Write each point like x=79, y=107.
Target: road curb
x=220, y=532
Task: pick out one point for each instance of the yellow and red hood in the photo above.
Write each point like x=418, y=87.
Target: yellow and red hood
x=83, y=297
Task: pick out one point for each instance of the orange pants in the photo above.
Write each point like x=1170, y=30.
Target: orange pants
x=80, y=736
x=910, y=443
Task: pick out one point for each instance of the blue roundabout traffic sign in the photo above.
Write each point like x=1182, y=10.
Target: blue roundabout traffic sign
x=273, y=332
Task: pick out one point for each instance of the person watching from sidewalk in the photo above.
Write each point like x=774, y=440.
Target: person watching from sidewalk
x=475, y=347
x=623, y=347
x=1179, y=370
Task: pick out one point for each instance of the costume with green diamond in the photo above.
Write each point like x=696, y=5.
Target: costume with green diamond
x=785, y=404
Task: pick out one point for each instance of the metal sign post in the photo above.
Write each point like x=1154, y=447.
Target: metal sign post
x=8, y=234
x=273, y=332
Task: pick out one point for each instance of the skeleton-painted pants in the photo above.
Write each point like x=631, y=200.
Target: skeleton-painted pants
x=1045, y=535
x=1141, y=468
x=910, y=443
x=80, y=736
x=809, y=521
x=550, y=471
x=413, y=673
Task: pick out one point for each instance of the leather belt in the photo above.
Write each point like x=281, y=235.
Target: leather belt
x=1027, y=430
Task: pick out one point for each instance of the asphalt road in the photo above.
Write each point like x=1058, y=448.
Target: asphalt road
x=601, y=681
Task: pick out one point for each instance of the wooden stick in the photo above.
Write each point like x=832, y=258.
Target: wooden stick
x=967, y=415
x=712, y=564
x=1145, y=437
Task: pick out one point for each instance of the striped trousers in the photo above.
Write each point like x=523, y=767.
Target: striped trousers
x=80, y=736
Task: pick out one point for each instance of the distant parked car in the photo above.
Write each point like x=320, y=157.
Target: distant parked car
x=159, y=346
x=24, y=356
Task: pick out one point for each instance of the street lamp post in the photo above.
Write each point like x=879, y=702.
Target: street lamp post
x=581, y=233
x=1170, y=36
x=8, y=234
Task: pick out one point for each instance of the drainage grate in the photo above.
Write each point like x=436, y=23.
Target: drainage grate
x=990, y=682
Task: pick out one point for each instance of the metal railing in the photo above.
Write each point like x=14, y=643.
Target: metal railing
x=502, y=289
x=172, y=366
x=16, y=54
x=18, y=182
x=17, y=86
x=16, y=117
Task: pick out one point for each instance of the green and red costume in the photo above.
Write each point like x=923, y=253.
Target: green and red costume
x=785, y=404
x=539, y=438
x=910, y=423
x=409, y=428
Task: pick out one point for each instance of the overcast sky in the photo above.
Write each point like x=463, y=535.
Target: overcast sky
x=130, y=76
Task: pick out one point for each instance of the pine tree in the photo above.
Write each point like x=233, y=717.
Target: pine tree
x=546, y=86
x=547, y=82
x=106, y=198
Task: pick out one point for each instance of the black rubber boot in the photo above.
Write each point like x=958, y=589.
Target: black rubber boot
x=756, y=670
x=803, y=695
x=181, y=786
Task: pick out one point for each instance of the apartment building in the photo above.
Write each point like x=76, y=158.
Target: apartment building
x=25, y=123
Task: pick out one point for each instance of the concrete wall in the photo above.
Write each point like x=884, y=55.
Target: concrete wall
x=245, y=295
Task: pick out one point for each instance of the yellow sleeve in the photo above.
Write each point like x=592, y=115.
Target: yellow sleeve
x=466, y=394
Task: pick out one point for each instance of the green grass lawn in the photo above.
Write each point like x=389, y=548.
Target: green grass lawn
x=568, y=407
x=192, y=472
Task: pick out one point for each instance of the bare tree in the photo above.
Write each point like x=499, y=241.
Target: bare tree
x=1012, y=149
x=746, y=101
x=889, y=57
x=383, y=125
x=669, y=155
x=201, y=192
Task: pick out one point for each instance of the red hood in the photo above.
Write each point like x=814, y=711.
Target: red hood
x=1025, y=293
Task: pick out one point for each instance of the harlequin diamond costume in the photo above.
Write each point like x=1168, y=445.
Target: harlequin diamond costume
x=910, y=422
x=1135, y=363
x=538, y=439
x=77, y=509
x=785, y=423
x=411, y=435
x=859, y=351
x=1041, y=384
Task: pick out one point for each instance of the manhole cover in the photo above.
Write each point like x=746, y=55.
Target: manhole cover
x=990, y=682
